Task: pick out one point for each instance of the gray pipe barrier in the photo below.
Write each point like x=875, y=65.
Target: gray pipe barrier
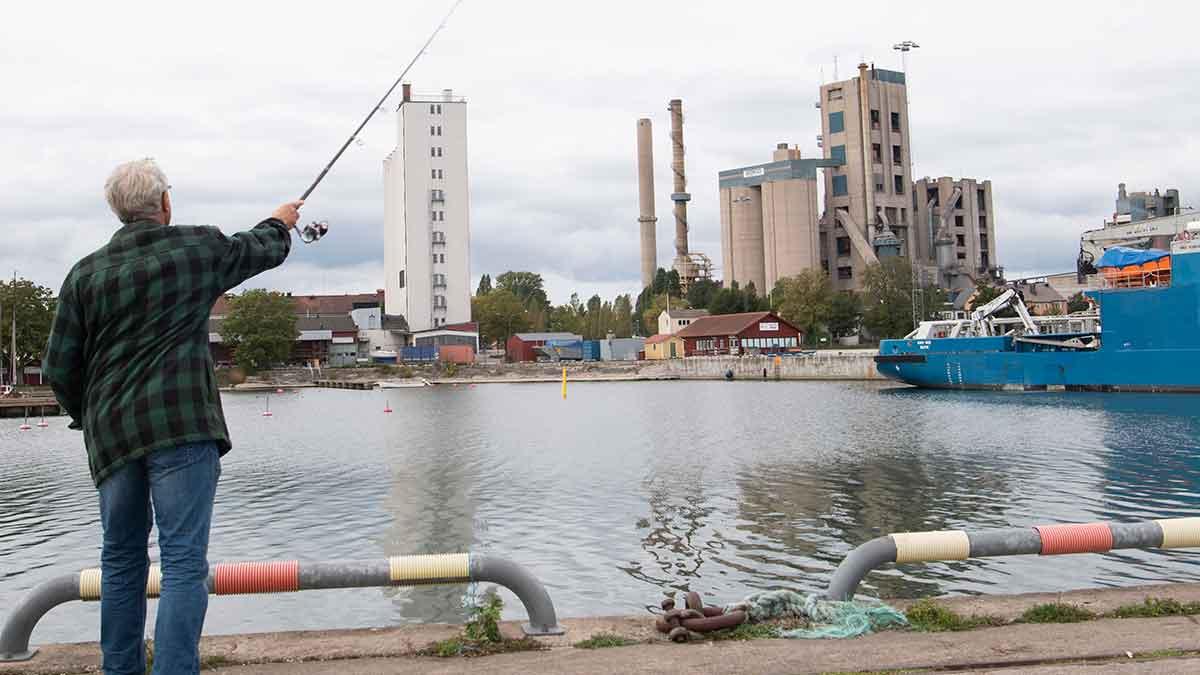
x=290, y=575
x=908, y=547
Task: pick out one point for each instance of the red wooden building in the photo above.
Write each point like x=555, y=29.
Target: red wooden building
x=736, y=334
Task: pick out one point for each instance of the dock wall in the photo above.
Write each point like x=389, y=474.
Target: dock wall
x=853, y=364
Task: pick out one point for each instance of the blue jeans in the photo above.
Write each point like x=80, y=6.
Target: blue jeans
x=175, y=488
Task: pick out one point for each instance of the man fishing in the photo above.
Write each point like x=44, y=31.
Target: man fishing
x=128, y=360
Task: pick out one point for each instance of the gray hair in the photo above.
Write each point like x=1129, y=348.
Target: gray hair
x=134, y=190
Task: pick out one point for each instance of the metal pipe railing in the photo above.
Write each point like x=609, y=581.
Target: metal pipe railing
x=289, y=576
x=908, y=547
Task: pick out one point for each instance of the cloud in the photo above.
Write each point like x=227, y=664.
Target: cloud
x=243, y=104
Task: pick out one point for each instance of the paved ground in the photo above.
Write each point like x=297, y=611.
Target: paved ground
x=1163, y=645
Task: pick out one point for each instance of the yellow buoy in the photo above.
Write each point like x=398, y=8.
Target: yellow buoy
x=564, y=383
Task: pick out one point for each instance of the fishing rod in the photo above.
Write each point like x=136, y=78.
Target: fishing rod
x=316, y=230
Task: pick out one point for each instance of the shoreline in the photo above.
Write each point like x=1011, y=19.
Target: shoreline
x=1167, y=643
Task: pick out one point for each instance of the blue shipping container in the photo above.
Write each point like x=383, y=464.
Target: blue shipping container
x=420, y=353
x=591, y=350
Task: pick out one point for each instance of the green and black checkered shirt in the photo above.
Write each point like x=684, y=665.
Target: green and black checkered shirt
x=128, y=356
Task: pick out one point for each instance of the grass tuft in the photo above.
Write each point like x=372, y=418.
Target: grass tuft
x=930, y=617
x=603, y=640
x=1154, y=607
x=1057, y=612
x=481, y=635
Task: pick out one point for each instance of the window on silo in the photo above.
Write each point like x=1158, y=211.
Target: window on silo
x=898, y=184
x=874, y=119
x=877, y=153
x=958, y=221
x=401, y=278
x=897, y=158
x=839, y=186
x=837, y=122
x=838, y=152
x=961, y=240
x=843, y=245
x=879, y=182
x=895, y=121
x=846, y=272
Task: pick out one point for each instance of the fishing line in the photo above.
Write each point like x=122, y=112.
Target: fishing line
x=314, y=231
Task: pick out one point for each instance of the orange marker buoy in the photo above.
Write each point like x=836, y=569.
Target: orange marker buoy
x=24, y=427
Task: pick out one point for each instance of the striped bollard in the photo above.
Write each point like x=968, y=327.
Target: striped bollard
x=910, y=547
x=286, y=576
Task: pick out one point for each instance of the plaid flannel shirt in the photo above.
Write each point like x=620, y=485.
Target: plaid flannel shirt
x=128, y=356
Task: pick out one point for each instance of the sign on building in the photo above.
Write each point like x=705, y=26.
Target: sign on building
x=768, y=325
x=753, y=173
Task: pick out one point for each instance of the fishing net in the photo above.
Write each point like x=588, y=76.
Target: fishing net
x=829, y=618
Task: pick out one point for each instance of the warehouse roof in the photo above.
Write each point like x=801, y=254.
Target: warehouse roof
x=727, y=324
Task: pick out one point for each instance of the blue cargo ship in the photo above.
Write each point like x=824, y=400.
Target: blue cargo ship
x=1147, y=337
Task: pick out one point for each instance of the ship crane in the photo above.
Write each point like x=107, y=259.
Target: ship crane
x=981, y=317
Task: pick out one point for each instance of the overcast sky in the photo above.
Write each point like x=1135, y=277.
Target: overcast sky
x=243, y=103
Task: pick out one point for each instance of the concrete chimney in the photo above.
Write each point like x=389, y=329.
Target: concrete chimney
x=647, y=221
x=679, y=195
x=406, y=90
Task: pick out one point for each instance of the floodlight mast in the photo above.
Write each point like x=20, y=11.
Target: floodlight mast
x=379, y=105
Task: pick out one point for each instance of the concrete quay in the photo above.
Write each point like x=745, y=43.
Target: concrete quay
x=1136, y=645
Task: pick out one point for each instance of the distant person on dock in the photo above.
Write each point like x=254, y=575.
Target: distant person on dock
x=128, y=360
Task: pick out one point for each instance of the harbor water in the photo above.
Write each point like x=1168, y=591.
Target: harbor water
x=625, y=490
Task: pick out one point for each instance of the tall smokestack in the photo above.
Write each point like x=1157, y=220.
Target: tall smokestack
x=646, y=218
x=679, y=194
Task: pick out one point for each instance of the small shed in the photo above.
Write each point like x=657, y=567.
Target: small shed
x=664, y=346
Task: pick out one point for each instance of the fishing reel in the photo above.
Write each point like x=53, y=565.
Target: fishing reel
x=314, y=231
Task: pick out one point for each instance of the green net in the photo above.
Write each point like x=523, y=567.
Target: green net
x=829, y=618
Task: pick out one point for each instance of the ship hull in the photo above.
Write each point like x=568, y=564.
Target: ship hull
x=1002, y=365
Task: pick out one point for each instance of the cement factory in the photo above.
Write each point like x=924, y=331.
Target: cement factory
x=771, y=226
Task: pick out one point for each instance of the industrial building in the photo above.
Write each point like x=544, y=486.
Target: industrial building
x=426, y=232
x=671, y=321
x=1132, y=207
x=959, y=214
x=864, y=128
x=770, y=228
x=735, y=334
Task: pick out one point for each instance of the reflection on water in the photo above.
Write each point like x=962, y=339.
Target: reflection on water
x=624, y=491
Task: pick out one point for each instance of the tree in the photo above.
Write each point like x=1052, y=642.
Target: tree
x=527, y=286
x=673, y=284
x=485, y=285
x=1078, y=303
x=499, y=315
x=622, y=316
x=806, y=300
x=726, y=300
x=660, y=282
x=260, y=327
x=845, y=314
x=33, y=306
x=701, y=292
x=887, y=298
